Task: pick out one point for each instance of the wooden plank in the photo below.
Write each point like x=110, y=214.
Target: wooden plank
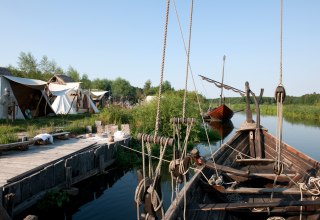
x=270, y=176
x=248, y=190
x=227, y=169
x=241, y=205
x=255, y=161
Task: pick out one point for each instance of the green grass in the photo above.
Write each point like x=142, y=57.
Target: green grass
x=308, y=114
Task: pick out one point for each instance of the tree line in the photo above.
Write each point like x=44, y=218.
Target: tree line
x=120, y=89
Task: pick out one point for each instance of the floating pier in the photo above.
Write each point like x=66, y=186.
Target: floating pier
x=26, y=176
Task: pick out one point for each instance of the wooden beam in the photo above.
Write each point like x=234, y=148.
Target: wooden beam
x=270, y=176
x=240, y=205
x=255, y=161
x=227, y=169
x=247, y=190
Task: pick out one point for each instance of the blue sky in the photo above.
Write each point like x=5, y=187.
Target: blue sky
x=124, y=38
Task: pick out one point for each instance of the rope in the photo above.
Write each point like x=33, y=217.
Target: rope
x=188, y=56
x=162, y=68
x=281, y=12
x=194, y=84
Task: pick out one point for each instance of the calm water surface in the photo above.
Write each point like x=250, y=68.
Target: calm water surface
x=111, y=196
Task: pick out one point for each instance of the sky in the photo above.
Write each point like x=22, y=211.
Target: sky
x=124, y=38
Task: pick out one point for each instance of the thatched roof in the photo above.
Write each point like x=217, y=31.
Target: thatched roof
x=5, y=72
x=61, y=79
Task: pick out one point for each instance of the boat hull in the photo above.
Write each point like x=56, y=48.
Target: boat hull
x=250, y=196
x=221, y=113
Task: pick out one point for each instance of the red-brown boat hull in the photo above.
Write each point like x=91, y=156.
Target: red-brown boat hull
x=221, y=113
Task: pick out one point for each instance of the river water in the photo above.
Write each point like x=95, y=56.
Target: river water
x=111, y=196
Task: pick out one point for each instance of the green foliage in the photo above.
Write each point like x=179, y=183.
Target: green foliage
x=8, y=134
x=86, y=82
x=121, y=88
x=27, y=63
x=144, y=116
x=73, y=73
x=101, y=84
x=115, y=115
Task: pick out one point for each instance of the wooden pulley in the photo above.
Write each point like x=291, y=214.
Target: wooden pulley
x=197, y=159
x=155, y=139
x=182, y=120
x=149, y=212
x=278, y=168
x=178, y=168
x=280, y=91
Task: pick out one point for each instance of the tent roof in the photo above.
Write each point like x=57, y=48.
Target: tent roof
x=53, y=87
x=61, y=79
x=98, y=93
x=33, y=83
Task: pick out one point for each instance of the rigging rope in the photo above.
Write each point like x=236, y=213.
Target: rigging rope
x=162, y=67
x=188, y=58
x=194, y=84
x=280, y=97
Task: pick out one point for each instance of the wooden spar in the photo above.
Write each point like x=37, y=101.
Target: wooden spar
x=155, y=139
x=241, y=205
x=219, y=84
x=182, y=120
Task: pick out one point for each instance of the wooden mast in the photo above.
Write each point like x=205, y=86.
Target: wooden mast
x=224, y=59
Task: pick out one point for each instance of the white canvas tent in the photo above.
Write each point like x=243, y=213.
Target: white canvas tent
x=68, y=96
x=27, y=94
x=99, y=97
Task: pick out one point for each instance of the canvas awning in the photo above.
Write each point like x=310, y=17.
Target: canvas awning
x=32, y=83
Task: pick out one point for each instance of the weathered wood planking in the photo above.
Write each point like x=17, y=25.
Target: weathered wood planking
x=28, y=175
x=15, y=163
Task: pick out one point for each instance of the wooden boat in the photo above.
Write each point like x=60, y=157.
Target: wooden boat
x=221, y=113
x=243, y=180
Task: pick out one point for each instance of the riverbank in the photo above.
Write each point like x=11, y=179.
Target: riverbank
x=309, y=114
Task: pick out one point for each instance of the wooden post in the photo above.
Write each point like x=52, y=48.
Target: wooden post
x=248, y=110
x=101, y=163
x=251, y=142
x=68, y=177
x=9, y=203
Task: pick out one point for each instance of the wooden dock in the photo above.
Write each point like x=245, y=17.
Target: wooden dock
x=27, y=175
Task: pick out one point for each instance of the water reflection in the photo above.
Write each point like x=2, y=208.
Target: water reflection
x=111, y=196
x=224, y=128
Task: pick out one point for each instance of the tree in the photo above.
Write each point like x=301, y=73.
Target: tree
x=86, y=82
x=27, y=63
x=147, y=87
x=166, y=86
x=101, y=84
x=73, y=73
x=122, y=88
